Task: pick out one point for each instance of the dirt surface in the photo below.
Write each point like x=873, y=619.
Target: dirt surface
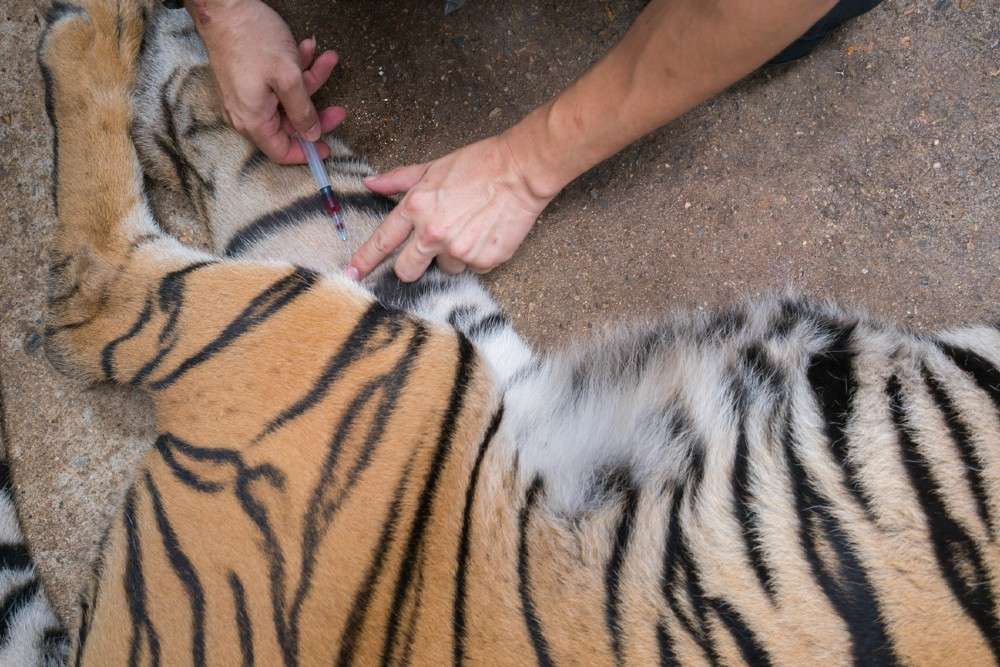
x=869, y=173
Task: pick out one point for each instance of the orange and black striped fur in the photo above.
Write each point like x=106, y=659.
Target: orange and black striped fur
x=387, y=474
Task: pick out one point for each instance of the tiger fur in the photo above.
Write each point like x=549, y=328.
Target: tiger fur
x=386, y=473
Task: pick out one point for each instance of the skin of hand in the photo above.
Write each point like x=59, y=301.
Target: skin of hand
x=473, y=207
x=266, y=80
x=476, y=227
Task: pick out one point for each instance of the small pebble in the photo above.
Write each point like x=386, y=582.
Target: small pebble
x=495, y=112
x=936, y=165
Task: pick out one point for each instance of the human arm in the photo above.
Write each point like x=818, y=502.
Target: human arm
x=257, y=66
x=474, y=206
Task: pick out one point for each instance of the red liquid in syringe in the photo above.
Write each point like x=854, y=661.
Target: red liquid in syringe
x=332, y=207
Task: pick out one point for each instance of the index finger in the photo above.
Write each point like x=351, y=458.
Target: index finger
x=290, y=88
x=383, y=241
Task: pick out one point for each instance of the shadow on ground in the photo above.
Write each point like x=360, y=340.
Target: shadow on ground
x=869, y=173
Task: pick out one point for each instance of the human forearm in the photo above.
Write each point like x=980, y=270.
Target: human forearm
x=677, y=54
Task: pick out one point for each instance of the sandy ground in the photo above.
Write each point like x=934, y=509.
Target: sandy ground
x=869, y=173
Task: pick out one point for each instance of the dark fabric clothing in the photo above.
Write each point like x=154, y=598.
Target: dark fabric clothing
x=843, y=11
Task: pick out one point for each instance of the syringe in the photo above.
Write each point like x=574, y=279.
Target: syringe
x=330, y=202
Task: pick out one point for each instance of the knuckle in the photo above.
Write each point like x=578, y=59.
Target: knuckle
x=460, y=248
x=379, y=242
x=433, y=233
x=287, y=76
x=411, y=207
x=420, y=201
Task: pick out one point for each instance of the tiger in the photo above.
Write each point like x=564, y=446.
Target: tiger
x=387, y=473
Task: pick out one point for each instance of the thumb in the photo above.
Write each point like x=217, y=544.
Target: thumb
x=397, y=180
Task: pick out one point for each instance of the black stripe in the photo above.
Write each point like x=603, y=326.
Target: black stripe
x=531, y=367
x=17, y=599
x=165, y=444
x=172, y=145
x=958, y=556
x=409, y=634
x=14, y=557
x=197, y=127
x=56, y=11
x=961, y=436
x=849, y=590
x=986, y=375
x=182, y=168
x=143, y=239
x=488, y=325
x=135, y=589
x=242, y=618
x=54, y=329
x=332, y=490
x=725, y=324
x=665, y=644
x=831, y=376
x=184, y=570
x=394, y=293
x=681, y=560
x=119, y=26
x=263, y=306
x=669, y=569
x=742, y=500
x=256, y=159
x=248, y=480
x=790, y=313
x=59, y=10
x=55, y=646
x=459, y=313
x=626, y=488
x=425, y=506
x=362, y=599
x=107, y=354
x=534, y=625
x=82, y=631
x=297, y=212
x=59, y=299
x=750, y=647
x=171, y=300
x=352, y=349
x=458, y=610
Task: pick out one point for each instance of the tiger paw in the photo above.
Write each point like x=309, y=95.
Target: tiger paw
x=90, y=49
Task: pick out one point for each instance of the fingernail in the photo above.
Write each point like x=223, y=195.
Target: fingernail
x=369, y=179
x=352, y=274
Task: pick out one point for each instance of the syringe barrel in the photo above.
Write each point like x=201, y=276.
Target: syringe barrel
x=315, y=164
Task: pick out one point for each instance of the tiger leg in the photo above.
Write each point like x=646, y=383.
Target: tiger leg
x=116, y=271
x=138, y=307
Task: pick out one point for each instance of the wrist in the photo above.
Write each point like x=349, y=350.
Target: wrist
x=212, y=16
x=540, y=161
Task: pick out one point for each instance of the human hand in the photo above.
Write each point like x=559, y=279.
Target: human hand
x=258, y=66
x=470, y=209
